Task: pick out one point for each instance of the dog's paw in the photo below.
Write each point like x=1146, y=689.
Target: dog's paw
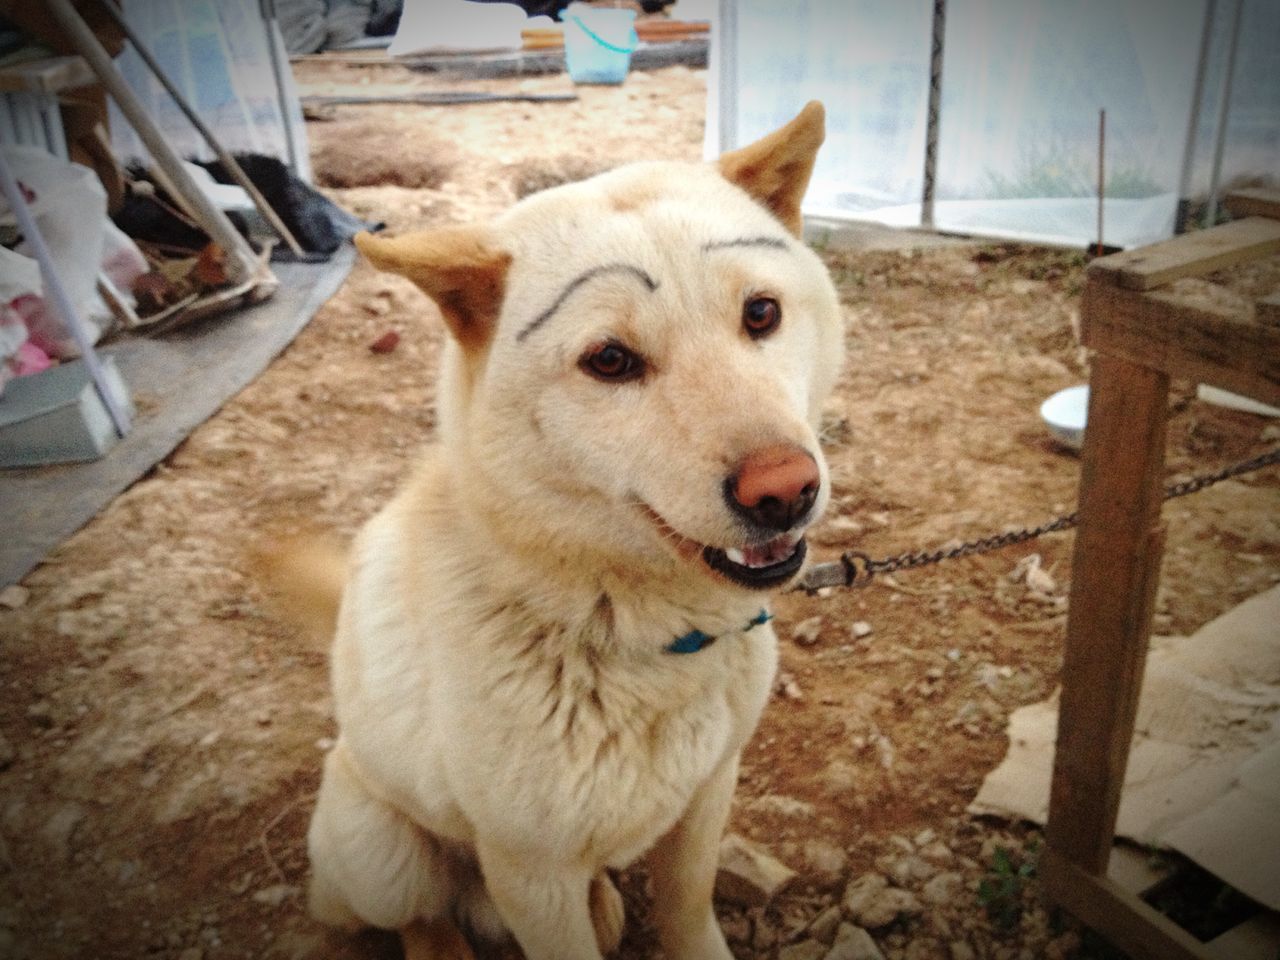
x=607, y=913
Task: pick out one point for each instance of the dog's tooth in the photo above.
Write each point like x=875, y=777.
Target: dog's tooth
x=736, y=556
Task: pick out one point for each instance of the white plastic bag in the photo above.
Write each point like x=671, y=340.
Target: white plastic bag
x=70, y=209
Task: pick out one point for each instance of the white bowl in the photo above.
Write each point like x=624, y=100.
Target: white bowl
x=1064, y=413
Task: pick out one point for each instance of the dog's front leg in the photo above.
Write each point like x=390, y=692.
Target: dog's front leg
x=683, y=868
x=544, y=905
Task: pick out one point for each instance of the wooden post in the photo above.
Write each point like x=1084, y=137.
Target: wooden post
x=1115, y=570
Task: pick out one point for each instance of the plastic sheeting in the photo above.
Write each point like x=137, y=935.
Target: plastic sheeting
x=216, y=52
x=1022, y=85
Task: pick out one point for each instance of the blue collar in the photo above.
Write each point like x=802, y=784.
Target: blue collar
x=696, y=640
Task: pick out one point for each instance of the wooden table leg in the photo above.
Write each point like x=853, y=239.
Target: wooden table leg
x=1115, y=569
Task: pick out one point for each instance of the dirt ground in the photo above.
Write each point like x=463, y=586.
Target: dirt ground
x=162, y=734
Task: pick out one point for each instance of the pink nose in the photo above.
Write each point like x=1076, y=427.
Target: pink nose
x=774, y=487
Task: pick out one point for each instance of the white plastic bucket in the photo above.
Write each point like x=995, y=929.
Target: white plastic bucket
x=598, y=42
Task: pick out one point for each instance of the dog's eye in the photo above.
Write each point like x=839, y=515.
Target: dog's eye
x=761, y=316
x=612, y=363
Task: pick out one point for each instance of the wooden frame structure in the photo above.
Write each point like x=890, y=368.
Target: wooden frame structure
x=1142, y=332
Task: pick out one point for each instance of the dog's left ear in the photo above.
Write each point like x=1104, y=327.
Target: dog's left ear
x=461, y=268
x=775, y=170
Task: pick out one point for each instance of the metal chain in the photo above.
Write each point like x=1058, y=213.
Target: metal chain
x=857, y=569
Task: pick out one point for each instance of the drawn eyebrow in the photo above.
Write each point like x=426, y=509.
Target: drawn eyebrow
x=650, y=284
x=776, y=242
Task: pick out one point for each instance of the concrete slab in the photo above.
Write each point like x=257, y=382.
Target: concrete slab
x=190, y=374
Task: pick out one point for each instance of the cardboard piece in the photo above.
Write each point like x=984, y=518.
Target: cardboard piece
x=1204, y=771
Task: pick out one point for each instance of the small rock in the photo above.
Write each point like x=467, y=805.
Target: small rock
x=860, y=893
x=944, y=888
x=1041, y=581
x=902, y=843
x=14, y=597
x=191, y=953
x=823, y=857
x=960, y=950
x=839, y=778
x=873, y=903
x=909, y=870
x=824, y=925
x=790, y=689
x=860, y=629
x=938, y=852
x=806, y=632
x=925, y=836
x=853, y=943
x=275, y=894
x=385, y=343
x=1028, y=570
x=747, y=875
x=783, y=806
x=804, y=950
x=1271, y=433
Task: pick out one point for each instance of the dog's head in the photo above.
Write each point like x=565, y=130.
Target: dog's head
x=638, y=362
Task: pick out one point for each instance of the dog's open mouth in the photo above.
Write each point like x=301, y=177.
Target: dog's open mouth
x=759, y=566
x=766, y=565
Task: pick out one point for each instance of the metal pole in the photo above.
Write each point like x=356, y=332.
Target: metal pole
x=228, y=161
x=1224, y=114
x=58, y=294
x=1193, y=122
x=241, y=262
x=726, y=41
x=934, y=114
x=1102, y=171
x=268, y=9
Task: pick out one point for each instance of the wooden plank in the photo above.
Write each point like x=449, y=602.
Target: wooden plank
x=1254, y=203
x=1115, y=568
x=1267, y=310
x=46, y=75
x=1258, y=938
x=1190, y=255
x=1197, y=340
x=1129, y=923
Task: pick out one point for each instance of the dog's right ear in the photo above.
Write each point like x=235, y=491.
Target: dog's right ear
x=461, y=268
x=776, y=169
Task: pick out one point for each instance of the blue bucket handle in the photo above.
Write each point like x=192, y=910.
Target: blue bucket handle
x=635, y=37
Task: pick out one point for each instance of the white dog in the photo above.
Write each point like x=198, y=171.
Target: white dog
x=552, y=645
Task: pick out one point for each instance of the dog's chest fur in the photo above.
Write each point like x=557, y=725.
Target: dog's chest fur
x=478, y=713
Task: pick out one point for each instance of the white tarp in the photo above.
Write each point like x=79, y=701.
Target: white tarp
x=1022, y=85
x=216, y=52
x=1204, y=771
